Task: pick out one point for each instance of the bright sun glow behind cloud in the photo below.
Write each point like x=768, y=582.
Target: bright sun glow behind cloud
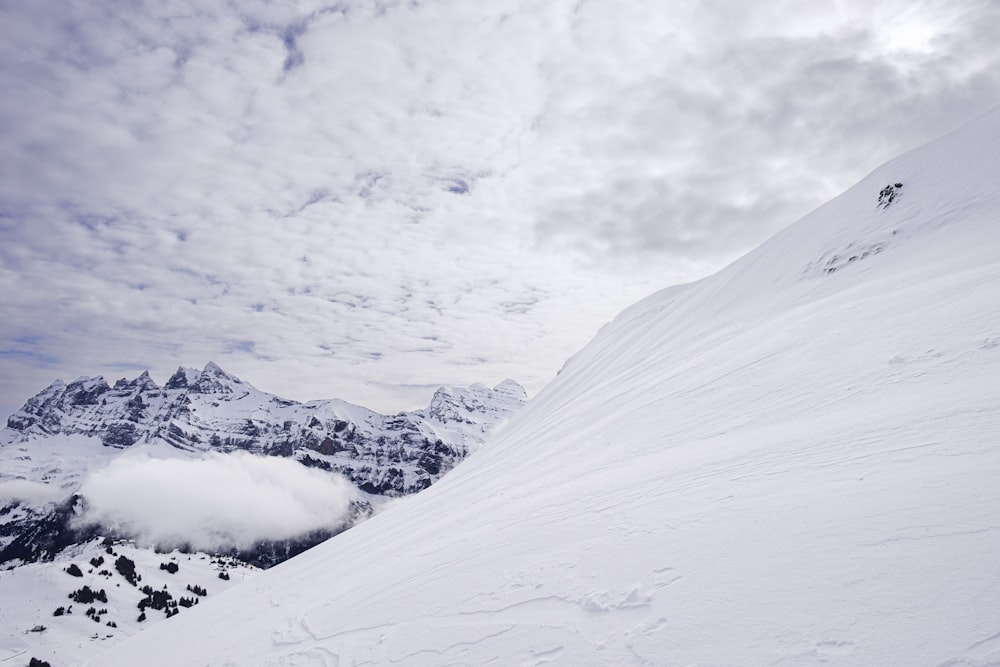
x=910, y=31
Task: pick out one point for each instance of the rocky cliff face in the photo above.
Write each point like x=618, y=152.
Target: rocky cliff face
x=53, y=439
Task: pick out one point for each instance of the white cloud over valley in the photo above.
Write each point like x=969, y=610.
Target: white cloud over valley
x=215, y=502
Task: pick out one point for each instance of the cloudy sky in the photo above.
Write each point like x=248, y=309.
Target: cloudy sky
x=363, y=199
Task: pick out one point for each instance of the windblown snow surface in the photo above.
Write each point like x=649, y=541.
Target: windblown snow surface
x=793, y=462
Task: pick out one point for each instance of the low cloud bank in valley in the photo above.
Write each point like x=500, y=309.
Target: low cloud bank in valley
x=216, y=502
x=29, y=493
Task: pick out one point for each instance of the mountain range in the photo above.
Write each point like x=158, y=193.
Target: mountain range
x=62, y=450
x=68, y=431
x=211, y=410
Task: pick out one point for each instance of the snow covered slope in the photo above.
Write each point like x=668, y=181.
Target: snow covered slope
x=57, y=613
x=793, y=462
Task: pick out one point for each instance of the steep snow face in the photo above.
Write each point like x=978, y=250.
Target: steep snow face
x=793, y=462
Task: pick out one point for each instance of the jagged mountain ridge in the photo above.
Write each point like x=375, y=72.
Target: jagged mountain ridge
x=211, y=410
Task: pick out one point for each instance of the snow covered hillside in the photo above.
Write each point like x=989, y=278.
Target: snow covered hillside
x=792, y=462
x=96, y=593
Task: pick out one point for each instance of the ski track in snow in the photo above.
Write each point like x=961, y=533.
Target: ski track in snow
x=595, y=615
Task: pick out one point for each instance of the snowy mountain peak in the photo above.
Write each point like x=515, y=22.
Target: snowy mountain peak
x=214, y=380
x=182, y=378
x=476, y=404
x=143, y=383
x=512, y=389
x=212, y=368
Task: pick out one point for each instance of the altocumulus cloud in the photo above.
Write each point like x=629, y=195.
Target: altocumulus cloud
x=220, y=501
x=353, y=199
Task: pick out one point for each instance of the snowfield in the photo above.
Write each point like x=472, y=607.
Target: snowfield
x=40, y=620
x=792, y=462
